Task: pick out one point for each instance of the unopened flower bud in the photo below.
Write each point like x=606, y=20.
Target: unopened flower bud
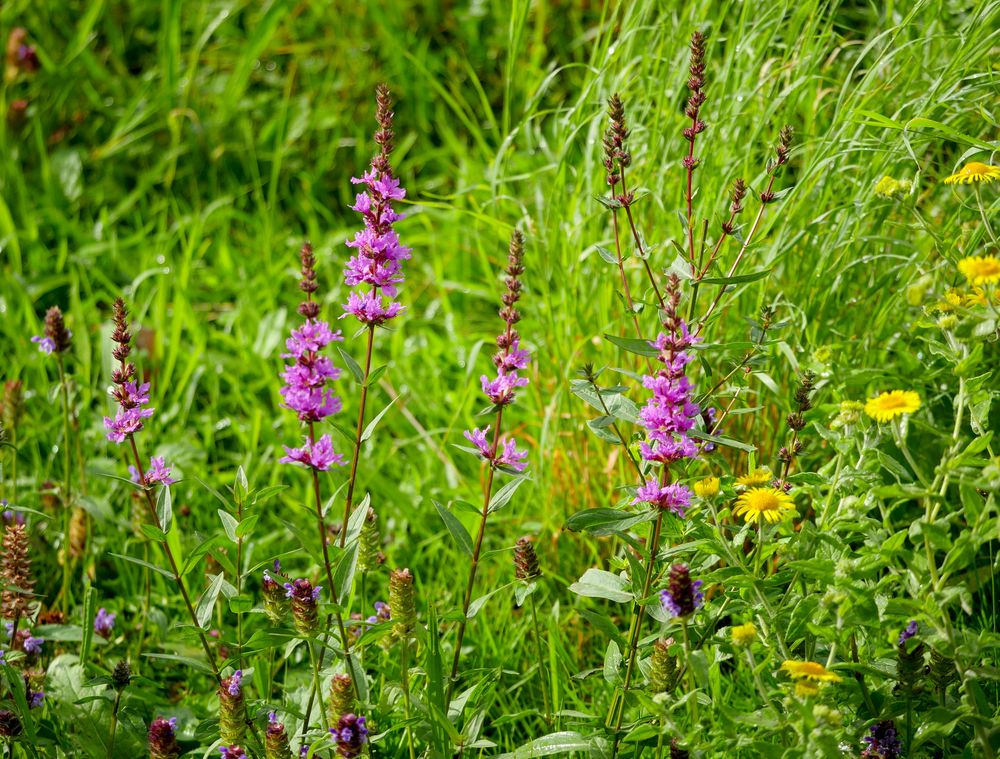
x=341, y=697
x=526, y=561
x=663, y=671
x=402, y=602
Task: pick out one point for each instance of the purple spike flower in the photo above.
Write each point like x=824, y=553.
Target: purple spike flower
x=508, y=360
x=158, y=471
x=45, y=344
x=682, y=596
x=912, y=628
x=163, y=739
x=232, y=752
x=674, y=497
x=104, y=623
x=378, y=253
x=305, y=390
x=883, y=742
x=351, y=735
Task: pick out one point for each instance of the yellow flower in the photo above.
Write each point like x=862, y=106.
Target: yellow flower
x=769, y=503
x=888, y=406
x=806, y=689
x=759, y=476
x=974, y=172
x=980, y=270
x=707, y=487
x=744, y=635
x=888, y=187
x=809, y=670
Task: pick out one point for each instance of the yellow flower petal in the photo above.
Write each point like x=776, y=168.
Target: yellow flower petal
x=770, y=504
x=974, y=172
x=980, y=270
x=887, y=406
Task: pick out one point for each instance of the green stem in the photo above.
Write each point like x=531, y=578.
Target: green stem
x=404, y=669
x=617, y=712
x=114, y=724
x=541, y=663
x=67, y=499
x=692, y=682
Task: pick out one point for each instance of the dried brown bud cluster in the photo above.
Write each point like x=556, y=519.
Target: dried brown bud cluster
x=384, y=135
x=308, y=308
x=526, y=561
x=509, y=313
x=15, y=572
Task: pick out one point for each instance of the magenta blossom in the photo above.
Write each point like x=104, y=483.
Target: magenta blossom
x=45, y=344
x=318, y=455
x=158, y=471
x=508, y=456
x=675, y=497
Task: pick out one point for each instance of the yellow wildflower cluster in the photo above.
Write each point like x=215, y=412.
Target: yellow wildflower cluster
x=890, y=188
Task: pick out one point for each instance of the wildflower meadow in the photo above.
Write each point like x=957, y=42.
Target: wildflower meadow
x=500, y=379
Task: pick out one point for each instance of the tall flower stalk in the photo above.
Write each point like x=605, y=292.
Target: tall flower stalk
x=668, y=416
x=497, y=451
x=56, y=341
x=132, y=398
x=375, y=269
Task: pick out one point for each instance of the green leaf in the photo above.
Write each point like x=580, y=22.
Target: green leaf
x=153, y=533
x=607, y=255
x=240, y=604
x=241, y=486
x=370, y=427
x=737, y=279
x=633, y=345
x=145, y=564
x=602, y=522
x=352, y=365
x=552, y=745
x=206, y=604
x=455, y=527
x=186, y=660
x=726, y=441
x=229, y=524
x=247, y=525
x=596, y=583
x=164, y=509
x=480, y=602
x=612, y=662
x=502, y=497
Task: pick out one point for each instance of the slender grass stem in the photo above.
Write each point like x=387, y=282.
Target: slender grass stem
x=541, y=662
x=67, y=499
x=114, y=724
x=404, y=672
x=692, y=682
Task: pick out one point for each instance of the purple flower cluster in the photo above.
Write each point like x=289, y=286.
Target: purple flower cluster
x=128, y=418
x=232, y=752
x=378, y=257
x=163, y=739
x=670, y=413
x=351, y=734
x=883, y=742
x=509, y=359
x=305, y=391
x=302, y=590
x=673, y=497
x=158, y=471
x=912, y=628
x=505, y=454
x=45, y=344
x=55, y=338
x=234, y=683
x=104, y=622
x=681, y=597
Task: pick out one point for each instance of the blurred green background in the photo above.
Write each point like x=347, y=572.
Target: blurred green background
x=179, y=154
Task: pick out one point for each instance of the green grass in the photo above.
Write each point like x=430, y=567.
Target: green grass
x=179, y=153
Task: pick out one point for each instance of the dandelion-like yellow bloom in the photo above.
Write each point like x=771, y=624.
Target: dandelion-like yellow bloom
x=974, y=172
x=767, y=503
x=887, y=406
x=809, y=670
x=980, y=270
x=707, y=487
x=744, y=635
x=759, y=476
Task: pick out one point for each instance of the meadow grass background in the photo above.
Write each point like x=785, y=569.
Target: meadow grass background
x=179, y=154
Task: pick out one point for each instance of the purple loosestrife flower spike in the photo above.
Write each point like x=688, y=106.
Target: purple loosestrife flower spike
x=508, y=360
x=158, y=471
x=104, y=623
x=351, y=735
x=163, y=739
x=376, y=269
x=305, y=390
x=232, y=709
x=681, y=596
